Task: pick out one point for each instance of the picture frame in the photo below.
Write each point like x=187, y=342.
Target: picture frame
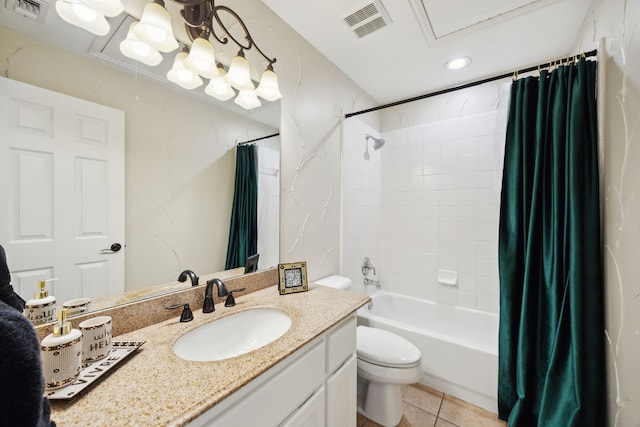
x=251, y=264
x=293, y=278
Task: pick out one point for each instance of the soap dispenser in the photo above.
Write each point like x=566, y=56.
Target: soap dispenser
x=61, y=353
x=42, y=308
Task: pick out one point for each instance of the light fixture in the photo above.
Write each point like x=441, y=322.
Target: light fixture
x=457, y=63
x=268, y=87
x=201, y=58
x=239, y=75
x=155, y=27
x=82, y=15
x=133, y=48
x=219, y=87
x=180, y=75
x=247, y=99
x=203, y=23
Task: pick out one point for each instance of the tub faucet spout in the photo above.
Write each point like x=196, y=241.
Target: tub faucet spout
x=375, y=283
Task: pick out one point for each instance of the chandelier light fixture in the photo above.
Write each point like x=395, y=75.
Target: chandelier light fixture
x=203, y=22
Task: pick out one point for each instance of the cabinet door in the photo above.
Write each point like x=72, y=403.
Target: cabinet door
x=310, y=414
x=341, y=406
x=269, y=403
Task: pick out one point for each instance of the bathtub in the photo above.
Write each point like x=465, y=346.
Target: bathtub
x=459, y=346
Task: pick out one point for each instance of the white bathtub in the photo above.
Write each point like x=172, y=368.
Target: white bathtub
x=459, y=346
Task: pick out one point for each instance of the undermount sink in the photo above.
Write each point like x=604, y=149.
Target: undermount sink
x=234, y=335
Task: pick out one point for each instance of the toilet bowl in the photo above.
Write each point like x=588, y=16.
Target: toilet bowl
x=386, y=362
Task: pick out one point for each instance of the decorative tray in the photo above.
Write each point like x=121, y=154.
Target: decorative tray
x=92, y=371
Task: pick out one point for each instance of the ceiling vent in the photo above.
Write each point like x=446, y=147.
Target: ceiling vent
x=31, y=9
x=367, y=18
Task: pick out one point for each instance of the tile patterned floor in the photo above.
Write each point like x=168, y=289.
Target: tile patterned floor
x=426, y=407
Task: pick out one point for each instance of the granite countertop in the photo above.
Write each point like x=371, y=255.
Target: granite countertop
x=155, y=387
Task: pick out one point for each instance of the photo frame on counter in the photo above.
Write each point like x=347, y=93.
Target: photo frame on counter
x=293, y=278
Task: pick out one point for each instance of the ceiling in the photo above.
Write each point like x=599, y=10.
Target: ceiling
x=392, y=49
x=404, y=56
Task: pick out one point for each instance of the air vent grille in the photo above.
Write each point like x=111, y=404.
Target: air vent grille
x=367, y=18
x=370, y=27
x=361, y=15
x=31, y=9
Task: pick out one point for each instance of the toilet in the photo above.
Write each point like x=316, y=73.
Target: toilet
x=386, y=362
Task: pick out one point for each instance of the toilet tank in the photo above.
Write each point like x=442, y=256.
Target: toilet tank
x=335, y=281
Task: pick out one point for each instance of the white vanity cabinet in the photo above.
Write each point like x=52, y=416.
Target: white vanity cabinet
x=313, y=387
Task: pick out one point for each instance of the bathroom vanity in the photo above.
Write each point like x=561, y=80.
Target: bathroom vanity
x=305, y=377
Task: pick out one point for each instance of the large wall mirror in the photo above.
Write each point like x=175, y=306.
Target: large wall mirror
x=179, y=166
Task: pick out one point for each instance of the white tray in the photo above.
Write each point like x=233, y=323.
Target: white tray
x=92, y=371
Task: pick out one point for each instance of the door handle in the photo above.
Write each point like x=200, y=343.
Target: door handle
x=114, y=248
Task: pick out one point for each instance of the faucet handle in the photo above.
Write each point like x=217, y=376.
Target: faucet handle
x=231, y=301
x=187, y=314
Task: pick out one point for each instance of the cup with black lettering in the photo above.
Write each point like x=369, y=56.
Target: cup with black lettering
x=77, y=306
x=96, y=338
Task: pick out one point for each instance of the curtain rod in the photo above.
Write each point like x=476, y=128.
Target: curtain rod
x=258, y=139
x=471, y=84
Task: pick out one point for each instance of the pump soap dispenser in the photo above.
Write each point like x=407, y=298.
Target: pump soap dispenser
x=61, y=353
x=42, y=308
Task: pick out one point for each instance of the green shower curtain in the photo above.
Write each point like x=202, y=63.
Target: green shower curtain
x=551, y=339
x=243, y=232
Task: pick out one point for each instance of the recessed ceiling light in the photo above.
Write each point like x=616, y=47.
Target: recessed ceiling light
x=457, y=63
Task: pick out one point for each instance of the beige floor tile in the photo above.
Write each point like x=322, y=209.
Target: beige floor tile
x=360, y=420
x=464, y=414
x=422, y=397
x=415, y=417
x=443, y=423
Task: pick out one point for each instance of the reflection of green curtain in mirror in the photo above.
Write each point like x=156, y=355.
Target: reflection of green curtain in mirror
x=243, y=233
x=552, y=365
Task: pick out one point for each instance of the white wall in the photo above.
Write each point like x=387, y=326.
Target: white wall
x=437, y=179
x=269, y=202
x=177, y=146
x=440, y=209
x=179, y=158
x=360, y=202
x=618, y=21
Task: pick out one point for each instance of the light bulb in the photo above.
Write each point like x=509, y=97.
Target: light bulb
x=154, y=28
x=239, y=75
x=181, y=76
x=82, y=15
x=201, y=59
x=247, y=99
x=268, y=87
x=136, y=49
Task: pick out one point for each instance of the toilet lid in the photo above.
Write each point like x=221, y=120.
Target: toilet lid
x=385, y=348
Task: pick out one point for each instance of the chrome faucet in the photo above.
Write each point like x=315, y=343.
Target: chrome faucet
x=375, y=283
x=208, y=306
x=188, y=273
x=367, y=266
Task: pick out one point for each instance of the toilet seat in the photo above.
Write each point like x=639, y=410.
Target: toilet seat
x=384, y=348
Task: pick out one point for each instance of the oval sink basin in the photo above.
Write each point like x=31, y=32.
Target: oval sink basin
x=233, y=335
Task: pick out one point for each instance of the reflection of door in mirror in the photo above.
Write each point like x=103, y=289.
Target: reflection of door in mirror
x=62, y=192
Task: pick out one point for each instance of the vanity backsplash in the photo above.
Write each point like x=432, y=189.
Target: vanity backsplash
x=139, y=314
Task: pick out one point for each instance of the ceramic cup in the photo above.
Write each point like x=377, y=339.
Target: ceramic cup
x=77, y=305
x=96, y=338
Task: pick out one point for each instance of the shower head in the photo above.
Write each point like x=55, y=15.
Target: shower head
x=377, y=142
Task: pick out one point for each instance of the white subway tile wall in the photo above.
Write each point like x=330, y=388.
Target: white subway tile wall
x=427, y=200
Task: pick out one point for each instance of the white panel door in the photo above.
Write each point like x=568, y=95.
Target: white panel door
x=61, y=192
